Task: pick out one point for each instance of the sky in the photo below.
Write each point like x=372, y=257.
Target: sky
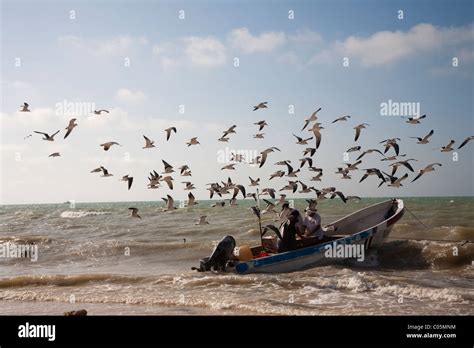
x=201, y=66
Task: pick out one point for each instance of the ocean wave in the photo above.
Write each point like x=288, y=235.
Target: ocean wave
x=80, y=214
x=66, y=280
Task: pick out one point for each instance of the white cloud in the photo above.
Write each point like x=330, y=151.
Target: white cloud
x=266, y=42
x=305, y=37
x=208, y=52
x=387, y=47
x=128, y=96
x=104, y=47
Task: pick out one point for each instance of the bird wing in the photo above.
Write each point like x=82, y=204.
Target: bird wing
x=130, y=181
x=357, y=134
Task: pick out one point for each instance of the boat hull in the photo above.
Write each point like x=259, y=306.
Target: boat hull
x=370, y=237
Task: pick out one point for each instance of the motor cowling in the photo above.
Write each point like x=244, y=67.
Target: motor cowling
x=221, y=254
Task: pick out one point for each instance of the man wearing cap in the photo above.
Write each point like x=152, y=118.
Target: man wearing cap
x=312, y=224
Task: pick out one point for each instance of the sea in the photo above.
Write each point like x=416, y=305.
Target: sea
x=95, y=256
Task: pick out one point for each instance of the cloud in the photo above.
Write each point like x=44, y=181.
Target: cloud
x=128, y=96
x=104, y=47
x=207, y=52
x=266, y=42
x=305, y=37
x=388, y=47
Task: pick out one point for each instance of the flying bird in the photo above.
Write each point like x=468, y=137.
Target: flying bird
x=265, y=153
x=367, y=152
x=358, y=129
x=354, y=148
x=47, y=137
x=466, y=141
x=259, y=136
x=302, y=141
x=342, y=118
x=254, y=182
x=55, y=154
x=261, y=124
x=109, y=144
x=128, y=179
x=106, y=172
x=448, y=147
x=260, y=106
x=169, y=203
x=148, y=143
x=98, y=112
x=310, y=119
x=425, y=139
x=202, y=221
x=70, y=127
x=24, y=107
x=168, y=132
x=193, y=141
x=427, y=169
x=405, y=163
x=415, y=120
x=372, y=171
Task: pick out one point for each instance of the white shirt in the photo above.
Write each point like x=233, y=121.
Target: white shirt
x=313, y=226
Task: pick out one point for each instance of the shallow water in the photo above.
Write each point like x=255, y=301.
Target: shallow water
x=98, y=257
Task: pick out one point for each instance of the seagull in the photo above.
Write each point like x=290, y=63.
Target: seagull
x=391, y=143
x=392, y=158
x=193, y=141
x=269, y=208
x=302, y=141
x=428, y=168
x=70, y=127
x=448, y=147
x=24, y=107
x=148, y=143
x=402, y=163
x=254, y=182
x=202, y=221
x=253, y=195
x=415, y=120
x=106, y=172
x=269, y=191
x=353, y=166
x=169, y=203
x=308, y=160
x=466, y=141
x=260, y=106
x=168, y=168
x=187, y=173
x=135, y=213
x=345, y=174
x=372, y=171
x=353, y=149
x=47, y=137
x=311, y=118
x=97, y=170
x=309, y=150
x=394, y=181
x=358, y=129
x=191, y=200
x=169, y=181
x=189, y=185
x=55, y=154
x=223, y=139
x=277, y=174
x=342, y=118
x=229, y=166
x=282, y=163
x=128, y=179
x=98, y=112
x=218, y=204
x=317, y=134
x=259, y=135
x=340, y=194
x=291, y=173
x=317, y=177
x=261, y=124
x=183, y=168
x=305, y=188
x=168, y=132
x=367, y=152
x=229, y=131
x=108, y=145
x=265, y=153
x=292, y=186
x=425, y=139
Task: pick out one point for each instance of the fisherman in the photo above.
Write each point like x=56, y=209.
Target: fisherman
x=312, y=224
x=289, y=230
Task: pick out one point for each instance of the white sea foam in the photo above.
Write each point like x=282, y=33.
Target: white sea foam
x=79, y=214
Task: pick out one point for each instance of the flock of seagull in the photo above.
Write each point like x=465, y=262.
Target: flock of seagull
x=156, y=179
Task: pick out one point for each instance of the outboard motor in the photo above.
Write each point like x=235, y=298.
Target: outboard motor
x=219, y=257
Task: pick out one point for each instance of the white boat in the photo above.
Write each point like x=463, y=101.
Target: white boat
x=369, y=227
